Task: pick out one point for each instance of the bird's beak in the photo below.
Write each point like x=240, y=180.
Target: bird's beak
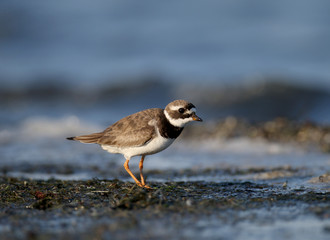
x=196, y=118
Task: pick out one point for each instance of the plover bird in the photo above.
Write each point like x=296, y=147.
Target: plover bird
x=144, y=133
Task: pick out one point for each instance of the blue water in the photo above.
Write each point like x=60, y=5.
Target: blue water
x=92, y=42
x=73, y=67
x=110, y=58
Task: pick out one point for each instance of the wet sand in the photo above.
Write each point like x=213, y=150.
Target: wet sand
x=103, y=209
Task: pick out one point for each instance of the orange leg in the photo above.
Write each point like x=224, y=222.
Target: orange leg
x=130, y=173
x=141, y=173
x=141, y=168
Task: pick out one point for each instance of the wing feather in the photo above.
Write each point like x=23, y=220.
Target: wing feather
x=133, y=130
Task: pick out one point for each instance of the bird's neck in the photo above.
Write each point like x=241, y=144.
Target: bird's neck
x=167, y=130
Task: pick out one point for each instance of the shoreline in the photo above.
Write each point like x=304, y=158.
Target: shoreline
x=120, y=209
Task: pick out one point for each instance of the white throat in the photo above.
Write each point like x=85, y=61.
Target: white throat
x=177, y=122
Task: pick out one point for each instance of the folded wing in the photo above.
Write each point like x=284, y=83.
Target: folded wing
x=133, y=130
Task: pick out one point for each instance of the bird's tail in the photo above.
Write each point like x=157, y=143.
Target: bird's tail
x=91, y=138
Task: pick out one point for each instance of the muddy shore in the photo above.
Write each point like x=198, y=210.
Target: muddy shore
x=103, y=209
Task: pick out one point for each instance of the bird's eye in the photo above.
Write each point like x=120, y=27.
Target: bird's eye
x=181, y=110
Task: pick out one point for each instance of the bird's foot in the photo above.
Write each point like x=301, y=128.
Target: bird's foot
x=139, y=184
x=146, y=186
x=143, y=185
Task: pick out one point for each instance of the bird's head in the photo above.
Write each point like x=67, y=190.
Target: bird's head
x=180, y=112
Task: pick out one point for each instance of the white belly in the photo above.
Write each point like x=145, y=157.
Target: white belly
x=154, y=146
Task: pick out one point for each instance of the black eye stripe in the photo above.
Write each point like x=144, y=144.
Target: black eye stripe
x=186, y=116
x=190, y=106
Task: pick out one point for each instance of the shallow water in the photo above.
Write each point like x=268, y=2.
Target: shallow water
x=38, y=149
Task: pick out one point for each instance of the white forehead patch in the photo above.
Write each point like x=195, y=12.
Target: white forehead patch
x=176, y=108
x=192, y=110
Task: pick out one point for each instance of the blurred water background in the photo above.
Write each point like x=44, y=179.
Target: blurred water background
x=74, y=67
x=100, y=59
